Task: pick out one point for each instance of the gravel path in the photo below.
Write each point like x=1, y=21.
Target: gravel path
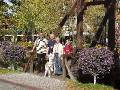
x=36, y=81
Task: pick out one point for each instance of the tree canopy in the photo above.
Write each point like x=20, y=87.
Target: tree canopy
x=41, y=15
x=45, y=15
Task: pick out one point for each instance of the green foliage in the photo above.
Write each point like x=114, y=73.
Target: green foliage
x=118, y=51
x=75, y=85
x=25, y=44
x=39, y=14
x=91, y=15
x=16, y=2
x=7, y=71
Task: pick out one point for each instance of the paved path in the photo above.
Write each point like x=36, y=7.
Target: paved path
x=8, y=86
x=35, y=81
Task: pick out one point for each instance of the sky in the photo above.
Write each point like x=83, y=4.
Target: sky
x=8, y=2
x=9, y=11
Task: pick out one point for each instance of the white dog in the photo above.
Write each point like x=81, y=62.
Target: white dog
x=49, y=65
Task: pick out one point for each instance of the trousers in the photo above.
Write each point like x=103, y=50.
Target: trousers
x=58, y=68
x=41, y=62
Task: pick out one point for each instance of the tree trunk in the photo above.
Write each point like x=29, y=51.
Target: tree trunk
x=80, y=4
x=95, y=77
x=111, y=26
x=12, y=67
x=31, y=66
x=29, y=63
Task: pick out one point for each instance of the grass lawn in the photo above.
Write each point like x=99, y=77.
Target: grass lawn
x=7, y=71
x=74, y=85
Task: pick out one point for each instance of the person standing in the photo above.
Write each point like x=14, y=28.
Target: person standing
x=66, y=62
x=58, y=53
x=41, y=49
x=68, y=48
x=51, y=43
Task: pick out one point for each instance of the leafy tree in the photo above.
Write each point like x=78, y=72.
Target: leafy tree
x=92, y=14
x=39, y=14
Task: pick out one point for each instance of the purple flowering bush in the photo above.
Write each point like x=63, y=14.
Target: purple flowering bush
x=13, y=54
x=94, y=61
x=4, y=44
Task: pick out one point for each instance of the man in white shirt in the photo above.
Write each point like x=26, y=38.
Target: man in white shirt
x=41, y=49
x=58, y=52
